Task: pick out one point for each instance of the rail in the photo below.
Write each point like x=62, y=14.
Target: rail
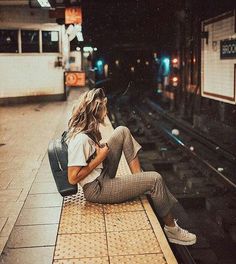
x=209, y=142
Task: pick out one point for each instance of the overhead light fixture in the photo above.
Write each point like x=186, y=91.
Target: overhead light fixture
x=44, y=3
x=79, y=36
x=87, y=49
x=70, y=30
x=74, y=31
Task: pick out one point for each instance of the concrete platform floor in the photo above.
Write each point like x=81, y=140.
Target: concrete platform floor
x=30, y=205
x=32, y=227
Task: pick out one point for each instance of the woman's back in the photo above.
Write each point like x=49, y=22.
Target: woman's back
x=81, y=149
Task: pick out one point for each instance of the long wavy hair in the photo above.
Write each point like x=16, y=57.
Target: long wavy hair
x=87, y=114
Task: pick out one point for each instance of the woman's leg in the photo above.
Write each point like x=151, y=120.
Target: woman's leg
x=121, y=140
x=121, y=189
x=134, y=165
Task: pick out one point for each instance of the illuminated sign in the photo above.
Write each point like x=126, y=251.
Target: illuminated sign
x=73, y=79
x=228, y=48
x=73, y=15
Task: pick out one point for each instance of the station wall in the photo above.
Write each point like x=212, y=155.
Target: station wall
x=197, y=76
x=218, y=73
x=33, y=73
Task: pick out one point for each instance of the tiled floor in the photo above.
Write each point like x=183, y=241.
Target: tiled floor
x=32, y=227
x=30, y=205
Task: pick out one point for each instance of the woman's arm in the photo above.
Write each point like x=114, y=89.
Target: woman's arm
x=78, y=173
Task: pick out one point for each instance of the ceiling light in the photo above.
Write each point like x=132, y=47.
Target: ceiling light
x=44, y=3
x=87, y=49
x=79, y=36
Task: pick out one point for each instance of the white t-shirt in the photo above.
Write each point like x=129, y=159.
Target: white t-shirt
x=80, y=148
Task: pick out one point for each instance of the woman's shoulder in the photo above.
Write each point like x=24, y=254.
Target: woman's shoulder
x=79, y=138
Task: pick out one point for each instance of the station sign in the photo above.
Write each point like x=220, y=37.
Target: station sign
x=228, y=49
x=73, y=15
x=74, y=78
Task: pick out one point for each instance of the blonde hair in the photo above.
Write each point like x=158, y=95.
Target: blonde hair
x=87, y=114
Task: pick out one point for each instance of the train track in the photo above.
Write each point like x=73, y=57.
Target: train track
x=217, y=147
x=195, y=145
x=193, y=168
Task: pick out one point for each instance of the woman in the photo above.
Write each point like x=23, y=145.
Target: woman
x=94, y=165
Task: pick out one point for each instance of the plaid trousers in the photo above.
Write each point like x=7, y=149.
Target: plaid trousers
x=108, y=188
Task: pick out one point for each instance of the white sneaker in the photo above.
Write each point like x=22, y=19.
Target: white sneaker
x=179, y=236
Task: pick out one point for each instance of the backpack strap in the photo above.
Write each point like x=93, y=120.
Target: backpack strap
x=63, y=136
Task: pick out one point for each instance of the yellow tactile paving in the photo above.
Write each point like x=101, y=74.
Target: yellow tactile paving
x=139, y=259
x=81, y=245
x=75, y=209
x=82, y=223
x=76, y=204
x=102, y=260
x=132, y=242
x=123, y=207
x=118, y=233
x=122, y=221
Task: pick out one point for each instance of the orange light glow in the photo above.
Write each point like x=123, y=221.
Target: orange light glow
x=73, y=15
x=175, y=79
x=73, y=79
x=175, y=60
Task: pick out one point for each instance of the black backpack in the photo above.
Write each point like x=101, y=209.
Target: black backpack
x=58, y=159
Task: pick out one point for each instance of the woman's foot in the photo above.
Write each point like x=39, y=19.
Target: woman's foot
x=179, y=236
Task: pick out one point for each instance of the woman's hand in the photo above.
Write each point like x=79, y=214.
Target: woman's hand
x=76, y=173
x=102, y=151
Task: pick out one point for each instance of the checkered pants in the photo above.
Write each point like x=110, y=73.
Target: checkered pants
x=109, y=188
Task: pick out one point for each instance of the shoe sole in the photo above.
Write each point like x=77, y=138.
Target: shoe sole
x=184, y=243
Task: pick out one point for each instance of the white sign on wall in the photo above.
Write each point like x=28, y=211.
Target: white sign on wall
x=218, y=68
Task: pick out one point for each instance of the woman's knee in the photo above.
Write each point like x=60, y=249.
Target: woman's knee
x=157, y=181
x=153, y=176
x=157, y=176
x=122, y=129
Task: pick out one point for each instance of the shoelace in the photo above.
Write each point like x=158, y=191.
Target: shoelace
x=184, y=232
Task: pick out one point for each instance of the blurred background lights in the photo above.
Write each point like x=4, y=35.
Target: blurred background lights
x=86, y=54
x=175, y=132
x=79, y=36
x=166, y=61
x=106, y=70
x=99, y=63
x=100, y=67
x=87, y=49
x=44, y=3
x=175, y=60
x=165, y=66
